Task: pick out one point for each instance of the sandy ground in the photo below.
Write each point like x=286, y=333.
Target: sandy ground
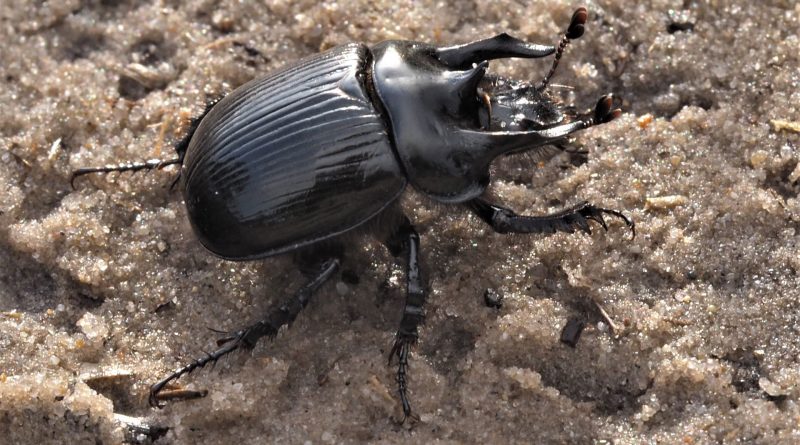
x=104, y=289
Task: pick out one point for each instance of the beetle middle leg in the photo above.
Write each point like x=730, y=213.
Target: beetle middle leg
x=406, y=238
x=282, y=315
x=504, y=220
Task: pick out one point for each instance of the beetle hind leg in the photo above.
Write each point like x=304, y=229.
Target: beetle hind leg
x=153, y=164
x=282, y=315
x=504, y=220
x=413, y=315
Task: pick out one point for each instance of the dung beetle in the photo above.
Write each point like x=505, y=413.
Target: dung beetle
x=294, y=160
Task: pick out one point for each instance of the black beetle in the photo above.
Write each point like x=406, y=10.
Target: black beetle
x=290, y=161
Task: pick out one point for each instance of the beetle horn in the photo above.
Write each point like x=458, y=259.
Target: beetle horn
x=464, y=84
x=500, y=46
x=495, y=143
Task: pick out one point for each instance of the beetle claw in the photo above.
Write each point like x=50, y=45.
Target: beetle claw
x=596, y=214
x=598, y=218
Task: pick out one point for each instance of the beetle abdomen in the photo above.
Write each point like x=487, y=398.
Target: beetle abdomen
x=289, y=159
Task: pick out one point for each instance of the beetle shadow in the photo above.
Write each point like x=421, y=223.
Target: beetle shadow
x=29, y=288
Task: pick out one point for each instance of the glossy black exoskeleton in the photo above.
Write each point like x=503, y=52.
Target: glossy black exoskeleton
x=289, y=161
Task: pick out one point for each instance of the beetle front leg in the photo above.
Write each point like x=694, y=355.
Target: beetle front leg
x=504, y=220
x=413, y=314
x=284, y=314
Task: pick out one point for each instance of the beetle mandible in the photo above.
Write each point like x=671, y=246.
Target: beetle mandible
x=290, y=161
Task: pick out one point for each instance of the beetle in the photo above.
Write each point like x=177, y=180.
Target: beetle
x=293, y=161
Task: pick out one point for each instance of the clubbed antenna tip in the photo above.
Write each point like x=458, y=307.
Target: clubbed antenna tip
x=576, y=28
x=604, y=111
x=574, y=31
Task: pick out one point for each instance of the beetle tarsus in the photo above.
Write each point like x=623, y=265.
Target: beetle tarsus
x=504, y=220
x=153, y=164
x=413, y=314
x=574, y=31
x=247, y=338
x=402, y=349
x=155, y=391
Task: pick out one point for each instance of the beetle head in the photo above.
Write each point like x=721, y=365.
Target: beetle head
x=449, y=120
x=511, y=105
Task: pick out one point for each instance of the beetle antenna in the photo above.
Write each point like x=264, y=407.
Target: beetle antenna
x=574, y=31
